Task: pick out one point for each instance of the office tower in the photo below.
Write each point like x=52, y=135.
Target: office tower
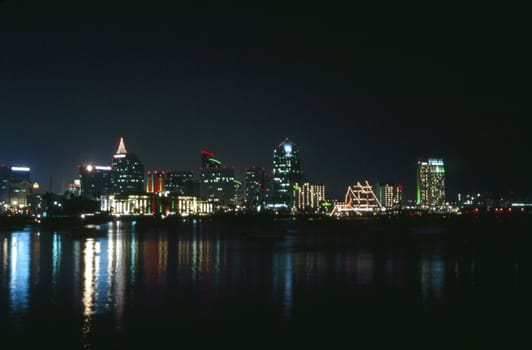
x=217, y=182
x=255, y=187
x=430, y=183
x=127, y=172
x=180, y=182
x=286, y=173
x=309, y=197
x=95, y=180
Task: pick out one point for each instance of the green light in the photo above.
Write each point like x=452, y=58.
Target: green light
x=238, y=182
x=326, y=204
x=216, y=161
x=296, y=187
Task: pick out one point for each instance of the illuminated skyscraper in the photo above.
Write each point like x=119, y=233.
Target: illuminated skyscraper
x=431, y=183
x=390, y=195
x=309, y=197
x=286, y=173
x=217, y=182
x=127, y=172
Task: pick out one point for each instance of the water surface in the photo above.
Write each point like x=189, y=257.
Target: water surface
x=200, y=284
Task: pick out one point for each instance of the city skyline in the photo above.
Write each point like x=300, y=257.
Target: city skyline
x=362, y=90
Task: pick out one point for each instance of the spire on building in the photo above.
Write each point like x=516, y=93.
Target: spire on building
x=121, y=147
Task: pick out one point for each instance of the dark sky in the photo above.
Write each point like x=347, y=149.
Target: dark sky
x=364, y=90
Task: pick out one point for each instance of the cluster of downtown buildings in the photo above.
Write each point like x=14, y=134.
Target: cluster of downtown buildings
x=124, y=188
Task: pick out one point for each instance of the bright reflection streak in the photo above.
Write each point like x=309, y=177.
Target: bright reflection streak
x=88, y=284
x=132, y=266
x=4, y=261
x=120, y=283
x=110, y=265
x=20, y=270
x=56, y=257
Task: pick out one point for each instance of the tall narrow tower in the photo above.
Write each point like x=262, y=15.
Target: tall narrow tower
x=286, y=173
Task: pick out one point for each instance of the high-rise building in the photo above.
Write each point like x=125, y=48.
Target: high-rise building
x=286, y=173
x=431, y=184
x=217, y=182
x=95, y=180
x=180, y=182
x=255, y=187
x=309, y=197
x=390, y=195
x=127, y=172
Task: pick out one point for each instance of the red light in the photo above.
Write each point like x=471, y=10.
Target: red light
x=207, y=153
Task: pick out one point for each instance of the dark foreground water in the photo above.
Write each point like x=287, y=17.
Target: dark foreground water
x=200, y=285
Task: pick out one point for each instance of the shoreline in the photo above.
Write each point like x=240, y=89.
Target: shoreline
x=263, y=224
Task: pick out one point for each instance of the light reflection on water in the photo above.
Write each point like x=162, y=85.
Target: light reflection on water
x=197, y=272
x=19, y=271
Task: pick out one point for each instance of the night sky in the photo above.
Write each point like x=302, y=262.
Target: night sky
x=364, y=90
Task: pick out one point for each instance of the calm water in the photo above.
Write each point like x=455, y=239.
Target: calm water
x=200, y=284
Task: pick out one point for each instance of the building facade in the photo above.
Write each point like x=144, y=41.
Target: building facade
x=309, y=197
x=180, y=182
x=94, y=181
x=255, y=190
x=286, y=173
x=390, y=195
x=15, y=186
x=127, y=172
x=217, y=183
x=431, y=184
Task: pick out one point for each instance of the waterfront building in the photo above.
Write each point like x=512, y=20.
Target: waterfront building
x=309, y=197
x=286, y=173
x=390, y=195
x=431, y=184
x=127, y=204
x=15, y=186
x=94, y=180
x=190, y=205
x=127, y=172
x=155, y=182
